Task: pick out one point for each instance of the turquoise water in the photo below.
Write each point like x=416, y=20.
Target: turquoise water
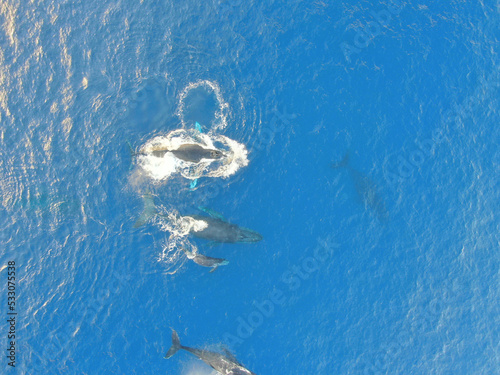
x=387, y=266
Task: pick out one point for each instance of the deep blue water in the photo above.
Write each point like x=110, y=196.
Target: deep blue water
x=406, y=279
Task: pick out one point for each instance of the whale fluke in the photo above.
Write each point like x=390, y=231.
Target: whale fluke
x=148, y=211
x=176, y=345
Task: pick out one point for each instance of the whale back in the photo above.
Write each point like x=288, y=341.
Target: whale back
x=194, y=153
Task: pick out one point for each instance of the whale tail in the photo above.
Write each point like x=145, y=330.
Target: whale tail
x=343, y=163
x=133, y=153
x=148, y=212
x=130, y=148
x=176, y=345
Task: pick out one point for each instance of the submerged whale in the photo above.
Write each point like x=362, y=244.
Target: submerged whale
x=365, y=188
x=225, y=364
x=205, y=261
x=193, y=153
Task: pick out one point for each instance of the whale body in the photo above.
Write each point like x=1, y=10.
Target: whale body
x=225, y=364
x=366, y=189
x=193, y=153
x=205, y=261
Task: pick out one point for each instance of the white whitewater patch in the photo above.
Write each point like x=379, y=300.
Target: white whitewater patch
x=179, y=227
x=161, y=168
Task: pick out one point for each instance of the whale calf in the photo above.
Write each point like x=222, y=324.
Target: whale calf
x=225, y=364
x=205, y=261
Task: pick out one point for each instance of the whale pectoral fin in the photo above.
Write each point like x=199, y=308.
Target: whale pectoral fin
x=198, y=127
x=231, y=356
x=212, y=213
x=213, y=268
x=193, y=184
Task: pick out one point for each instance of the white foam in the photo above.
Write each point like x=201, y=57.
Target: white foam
x=237, y=158
x=172, y=256
x=162, y=168
x=158, y=168
x=177, y=225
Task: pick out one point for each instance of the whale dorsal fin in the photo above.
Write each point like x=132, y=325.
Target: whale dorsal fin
x=230, y=356
x=212, y=213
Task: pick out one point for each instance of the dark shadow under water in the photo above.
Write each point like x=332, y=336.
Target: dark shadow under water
x=366, y=189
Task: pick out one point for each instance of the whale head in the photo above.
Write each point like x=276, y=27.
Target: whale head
x=216, y=154
x=248, y=236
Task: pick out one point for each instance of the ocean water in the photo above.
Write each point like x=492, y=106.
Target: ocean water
x=387, y=265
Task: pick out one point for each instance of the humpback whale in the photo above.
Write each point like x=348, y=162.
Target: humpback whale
x=225, y=364
x=219, y=230
x=205, y=261
x=365, y=188
x=188, y=152
x=215, y=227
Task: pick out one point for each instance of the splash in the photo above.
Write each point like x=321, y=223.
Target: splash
x=172, y=256
x=161, y=168
x=179, y=226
